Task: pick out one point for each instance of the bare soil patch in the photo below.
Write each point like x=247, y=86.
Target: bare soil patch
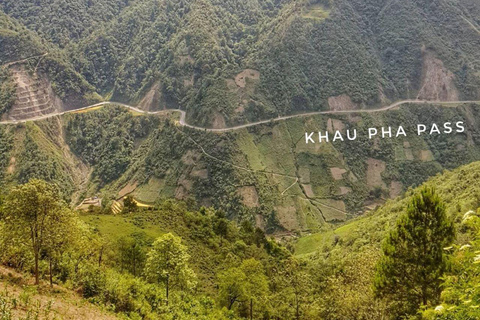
x=11, y=167
x=343, y=191
x=287, y=217
x=374, y=172
x=341, y=102
x=199, y=173
x=396, y=188
x=249, y=196
x=241, y=78
x=334, y=125
x=152, y=99
x=129, y=188
x=218, y=121
x=426, y=155
x=260, y=221
x=337, y=173
x=308, y=190
x=437, y=80
x=34, y=95
x=184, y=186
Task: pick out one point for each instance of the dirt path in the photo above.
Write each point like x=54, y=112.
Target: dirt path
x=471, y=24
x=262, y=171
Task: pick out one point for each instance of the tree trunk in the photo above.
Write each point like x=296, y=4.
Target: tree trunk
x=37, y=281
x=230, y=304
x=251, y=309
x=100, y=256
x=424, y=294
x=134, y=266
x=166, y=287
x=51, y=275
x=297, y=308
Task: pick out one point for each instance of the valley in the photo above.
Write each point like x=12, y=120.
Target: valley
x=277, y=180
x=169, y=159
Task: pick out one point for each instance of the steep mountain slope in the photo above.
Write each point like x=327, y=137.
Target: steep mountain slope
x=266, y=173
x=229, y=62
x=45, y=82
x=458, y=188
x=344, y=260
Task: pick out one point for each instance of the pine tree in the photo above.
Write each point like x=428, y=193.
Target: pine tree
x=410, y=272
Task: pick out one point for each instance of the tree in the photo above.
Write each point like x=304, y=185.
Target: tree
x=245, y=284
x=414, y=260
x=132, y=252
x=256, y=283
x=129, y=204
x=231, y=284
x=167, y=263
x=34, y=213
x=292, y=286
x=66, y=229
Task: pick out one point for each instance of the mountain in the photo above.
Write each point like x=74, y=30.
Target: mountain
x=270, y=144
x=230, y=62
x=343, y=260
x=44, y=81
x=266, y=173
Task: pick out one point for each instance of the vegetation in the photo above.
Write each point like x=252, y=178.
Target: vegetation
x=460, y=291
x=189, y=52
x=132, y=272
x=106, y=139
x=5, y=147
x=200, y=249
x=7, y=91
x=133, y=260
x=167, y=263
x=414, y=262
x=34, y=219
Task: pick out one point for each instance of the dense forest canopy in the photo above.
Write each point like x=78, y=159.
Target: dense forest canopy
x=263, y=57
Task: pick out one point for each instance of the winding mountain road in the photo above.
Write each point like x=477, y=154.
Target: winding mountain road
x=183, y=114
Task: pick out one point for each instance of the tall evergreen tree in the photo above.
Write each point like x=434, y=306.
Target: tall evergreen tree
x=414, y=257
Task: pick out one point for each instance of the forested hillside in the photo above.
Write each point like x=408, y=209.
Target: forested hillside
x=350, y=254
x=265, y=174
x=218, y=269
x=36, y=56
x=228, y=62
x=147, y=213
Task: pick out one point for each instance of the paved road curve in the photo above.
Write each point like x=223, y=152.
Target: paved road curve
x=183, y=123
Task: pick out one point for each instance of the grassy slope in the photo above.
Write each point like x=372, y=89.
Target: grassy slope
x=20, y=299
x=459, y=189
x=207, y=252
